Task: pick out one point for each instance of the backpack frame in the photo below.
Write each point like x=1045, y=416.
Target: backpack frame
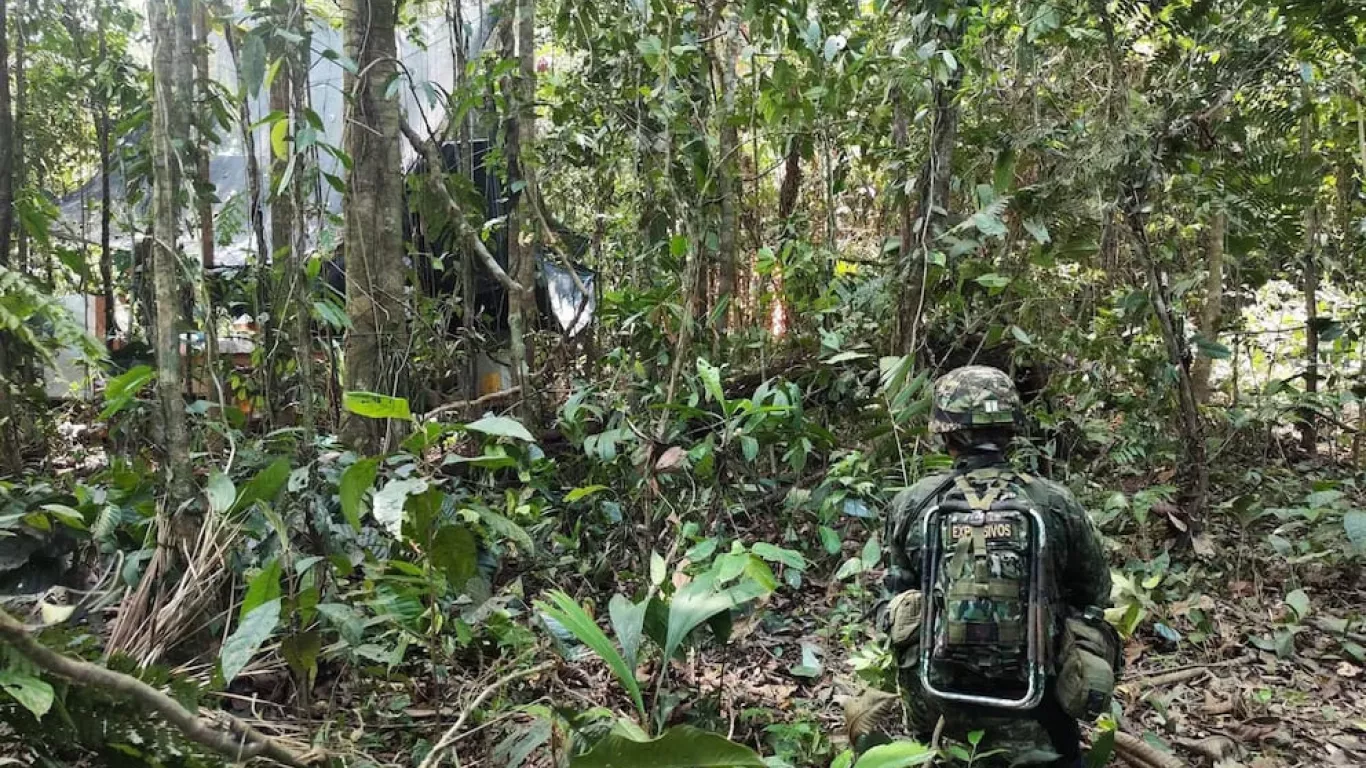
x=974, y=511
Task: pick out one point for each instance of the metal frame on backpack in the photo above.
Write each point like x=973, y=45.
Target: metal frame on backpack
x=1036, y=644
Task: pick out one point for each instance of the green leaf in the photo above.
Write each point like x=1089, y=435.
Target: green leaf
x=264, y=587
x=390, y=500
x=1038, y=230
x=774, y=554
x=1020, y=335
x=33, y=694
x=501, y=426
x=830, y=540
x=657, y=568
x=988, y=222
x=992, y=281
x=279, y=141
x=1354, y=522
x=356, y=481
x=124, y=388
x=711, y=379
x=376, y=406
x=898, y=754
x=579, y=494
x=507, y=529
x=1211, y=348
x=253, y=63
x=811, y=662
x=1299, y=603
x=221, y=492
x=679, y=747
x=572, y=616
x=455, y=552
x=749, y=447
x=691, y=606
x=301, y=652
x=243, y=643
x=264, y=487
x=628, y=622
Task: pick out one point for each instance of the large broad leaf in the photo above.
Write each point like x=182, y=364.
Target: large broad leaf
x=679, y=747
x=507, y=529
x=628, y=621
x=573, y=618
x=120, y=390
x=221, y=492
x=711, y=379
x=1354, y=522
x=693, y=605
x=34, y=694
x=376, y=406
x=356, y=481
x=455, y=552
x=389, y=502
x=242, y=644
x=264, y=587
x=264, y=487
x=501, y=426
x=896, y=755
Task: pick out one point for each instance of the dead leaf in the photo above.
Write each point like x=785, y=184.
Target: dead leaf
x=1348, y=670
x=672, y=461
x=1202, y=545
x=1215, y=747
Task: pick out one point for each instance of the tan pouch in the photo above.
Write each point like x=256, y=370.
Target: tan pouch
x=905, y=612
x=1086, y=674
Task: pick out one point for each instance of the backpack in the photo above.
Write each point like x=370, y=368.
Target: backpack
x=987, y=608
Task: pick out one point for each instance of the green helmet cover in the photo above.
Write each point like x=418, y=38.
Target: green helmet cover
x=975, y=396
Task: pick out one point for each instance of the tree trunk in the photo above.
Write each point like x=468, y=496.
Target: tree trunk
x=6, y=149
x=1210, y=310
x=932, y=198
x=728, y=186
x=1196, y=467
x=376, y=342
x=204, y=182
x=521, y=133
x=20, y=125
x=302, y=293
x=106, y=205
x=465, y=132
x=1309, y=434
x=165, y=263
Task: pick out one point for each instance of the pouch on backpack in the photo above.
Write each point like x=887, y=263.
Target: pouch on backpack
x=904, y=613
x=1089, y=660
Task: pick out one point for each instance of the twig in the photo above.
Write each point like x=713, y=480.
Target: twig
x=1169, y=678
x=241, y=742
x=460, y=405
x=452, y=734
x=1337, y=627
x=1140, y=753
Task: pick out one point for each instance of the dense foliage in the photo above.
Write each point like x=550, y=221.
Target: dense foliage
x=281, y=488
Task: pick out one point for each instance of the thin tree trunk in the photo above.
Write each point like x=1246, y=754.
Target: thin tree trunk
x=728, y=179
x=303, y=340
x=205, y=190
x=165, y=263
x=465, y=135
x=1359, y=440
x=1210, y=310
x=932, y=194
x=1309, y=434
x=521, y=133
x=20, y=129
x=373, y=233
x=106, y=205
x=6, y=147
x=1191, y=429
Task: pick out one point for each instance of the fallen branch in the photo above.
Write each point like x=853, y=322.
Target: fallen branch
x=1139, y=753
x=452, y=735
x=436, y=181
x=1337, y=627
x=240, y=742
x=1170, y=678
x=461, y=405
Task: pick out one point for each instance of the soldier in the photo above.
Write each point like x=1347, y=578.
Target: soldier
x=983, y=590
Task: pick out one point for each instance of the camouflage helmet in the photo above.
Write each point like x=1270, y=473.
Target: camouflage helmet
x=975, y=396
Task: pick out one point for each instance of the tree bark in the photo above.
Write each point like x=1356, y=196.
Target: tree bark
x=459, y=53
x=372, y=209
x=165, y=262
x=204, y=181
x=6, y=147
x=728, y=186
x=1309, y=434
x=521, y=135
x=106, y=205
x=20, y=126
x=932, y=198
x=1192, y=433
x=303, y=340
x=1210, y=309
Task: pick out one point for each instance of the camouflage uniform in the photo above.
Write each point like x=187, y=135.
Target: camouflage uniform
x=1077, y=562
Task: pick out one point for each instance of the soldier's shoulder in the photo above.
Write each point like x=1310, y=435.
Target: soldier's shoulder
x=919, y=491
